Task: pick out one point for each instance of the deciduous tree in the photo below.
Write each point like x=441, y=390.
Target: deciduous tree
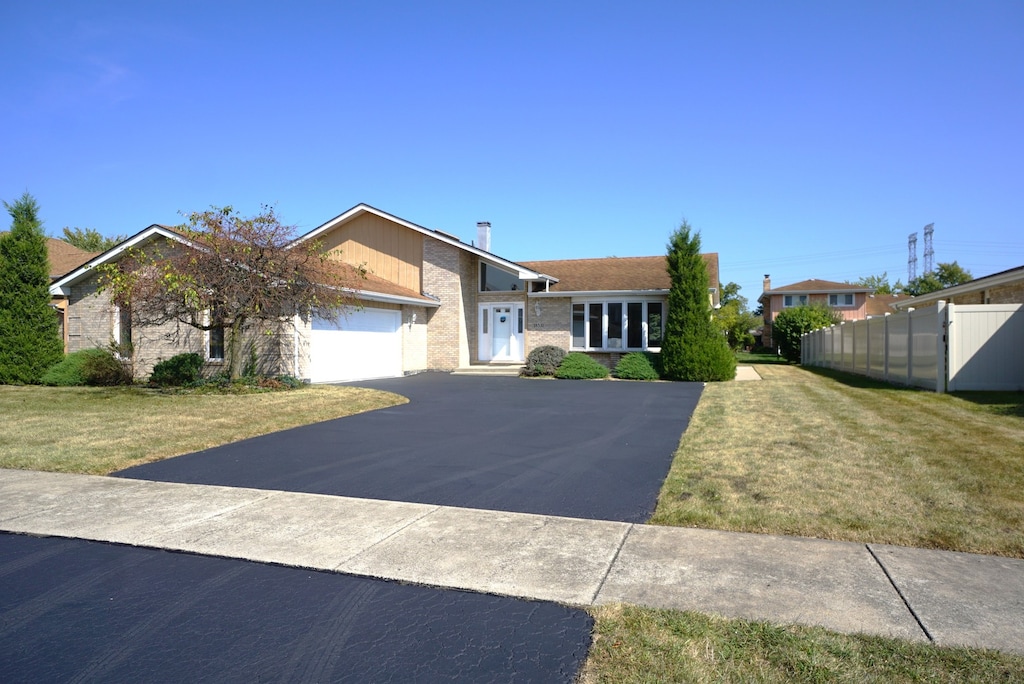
x=243, y=275
x=694, y=348
x=945, y=275
x=30, y=341
x=90, y=239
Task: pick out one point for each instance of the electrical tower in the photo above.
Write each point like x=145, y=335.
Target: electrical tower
x=928, y=251
x=912, y=259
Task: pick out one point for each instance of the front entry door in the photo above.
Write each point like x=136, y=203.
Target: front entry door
x=501, y=332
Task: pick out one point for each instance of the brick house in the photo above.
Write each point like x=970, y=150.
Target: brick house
x=849, y=300
x=429, y=302
x=1005, y=287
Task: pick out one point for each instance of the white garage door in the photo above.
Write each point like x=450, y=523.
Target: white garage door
x=359, y=345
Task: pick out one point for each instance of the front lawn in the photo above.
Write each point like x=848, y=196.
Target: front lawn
x=100, y=430
x=829, y=455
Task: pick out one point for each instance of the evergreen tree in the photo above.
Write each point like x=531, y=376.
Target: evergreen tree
x=694, y=348
x=29, y=339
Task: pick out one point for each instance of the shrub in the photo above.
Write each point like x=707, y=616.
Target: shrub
x=791, y=323
x=637, y=366
x=104, y=370
x=543, y=360
x=579, y=366
x=71, y=371
x=179, y=370
x=694, y=349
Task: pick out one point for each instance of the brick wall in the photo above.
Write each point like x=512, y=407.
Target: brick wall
x=1011, y=293
x=447, y=347
x=548, y=321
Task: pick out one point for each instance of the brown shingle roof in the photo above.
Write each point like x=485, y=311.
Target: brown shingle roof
x=65, y=257
x=814, y=286
x=614, y=273
x=880, y=304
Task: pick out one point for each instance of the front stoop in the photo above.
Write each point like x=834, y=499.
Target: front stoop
x=491, y=369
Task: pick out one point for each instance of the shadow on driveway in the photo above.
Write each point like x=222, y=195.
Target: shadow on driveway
x=584, y=449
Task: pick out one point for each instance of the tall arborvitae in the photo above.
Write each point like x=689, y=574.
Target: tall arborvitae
x=29, y=337
x=694, y=349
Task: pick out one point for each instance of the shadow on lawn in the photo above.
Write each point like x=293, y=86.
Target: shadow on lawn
x=998, y=403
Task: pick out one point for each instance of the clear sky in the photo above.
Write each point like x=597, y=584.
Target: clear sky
x=802, y=139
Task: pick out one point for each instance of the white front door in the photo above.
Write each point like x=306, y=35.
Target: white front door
x=501, y=332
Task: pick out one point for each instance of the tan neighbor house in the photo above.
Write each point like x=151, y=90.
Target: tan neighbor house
x=430, y=301
x=1005, y=287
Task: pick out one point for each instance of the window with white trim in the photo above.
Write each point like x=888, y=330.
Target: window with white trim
x=629, y=325
x=793, y=300
x=215, y=339
x=840, y=299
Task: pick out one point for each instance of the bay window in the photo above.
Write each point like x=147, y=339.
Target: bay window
x=615, y=325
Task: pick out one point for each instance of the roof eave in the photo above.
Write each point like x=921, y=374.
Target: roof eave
x=599, y=293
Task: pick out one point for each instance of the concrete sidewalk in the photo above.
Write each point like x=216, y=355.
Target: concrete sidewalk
x=949, y=598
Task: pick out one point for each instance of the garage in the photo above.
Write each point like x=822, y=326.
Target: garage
x=359, y=345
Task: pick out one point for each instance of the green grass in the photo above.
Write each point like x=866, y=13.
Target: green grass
x=634, y=644
x=748, y=358
x=835, y=456
x=100, y=430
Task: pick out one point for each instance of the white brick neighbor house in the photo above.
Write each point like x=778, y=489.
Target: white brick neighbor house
x=429, y=302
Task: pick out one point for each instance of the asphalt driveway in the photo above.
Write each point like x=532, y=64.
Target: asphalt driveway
x=585, y=449
x=79, y=611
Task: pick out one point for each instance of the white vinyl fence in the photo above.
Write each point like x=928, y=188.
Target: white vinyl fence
x=946, y=347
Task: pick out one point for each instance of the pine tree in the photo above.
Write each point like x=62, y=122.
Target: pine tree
x=29, y=338
x=694, y=349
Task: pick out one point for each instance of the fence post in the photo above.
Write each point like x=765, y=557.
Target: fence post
x=885, y=361
x=910, y=347
x=944, y=380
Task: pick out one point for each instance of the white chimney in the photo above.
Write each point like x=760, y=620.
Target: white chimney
x=483, y=235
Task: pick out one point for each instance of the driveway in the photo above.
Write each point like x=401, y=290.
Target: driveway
x=584, y=449
x=79, y=611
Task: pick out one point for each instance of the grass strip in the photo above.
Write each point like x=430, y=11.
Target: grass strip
x=634, y=644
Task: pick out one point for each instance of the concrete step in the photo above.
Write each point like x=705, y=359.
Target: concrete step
x=503, y=369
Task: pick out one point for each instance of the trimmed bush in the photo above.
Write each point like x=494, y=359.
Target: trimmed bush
x=103, y=370
x=71, y=371
x=793, y=322
x=179, y=370
x=579, y=366
x=543, y=361
x=637, y=366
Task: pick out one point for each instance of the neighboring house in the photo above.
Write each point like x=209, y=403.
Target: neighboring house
x=883, y=304
x=849, y=300
x=429, y=302
x=1005, y=287
x=63, y=257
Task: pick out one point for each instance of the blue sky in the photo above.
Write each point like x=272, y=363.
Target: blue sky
x=802, y=139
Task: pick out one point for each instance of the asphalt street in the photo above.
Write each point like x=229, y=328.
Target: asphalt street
x=596, y=450
x=79, y=611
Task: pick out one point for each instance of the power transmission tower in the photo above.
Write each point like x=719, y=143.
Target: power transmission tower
x=928, y=251
x=912, y=259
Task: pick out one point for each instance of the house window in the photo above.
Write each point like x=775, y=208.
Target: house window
x=494, y=279
x=123, y=331
x=579, y=326
x=596, y=323
x=793, y=300
x=483, y=321
x=654, y=324
x=617, y=325
x=635, y=325
x=519, y=321
x=840, y=300
x=215, y=340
